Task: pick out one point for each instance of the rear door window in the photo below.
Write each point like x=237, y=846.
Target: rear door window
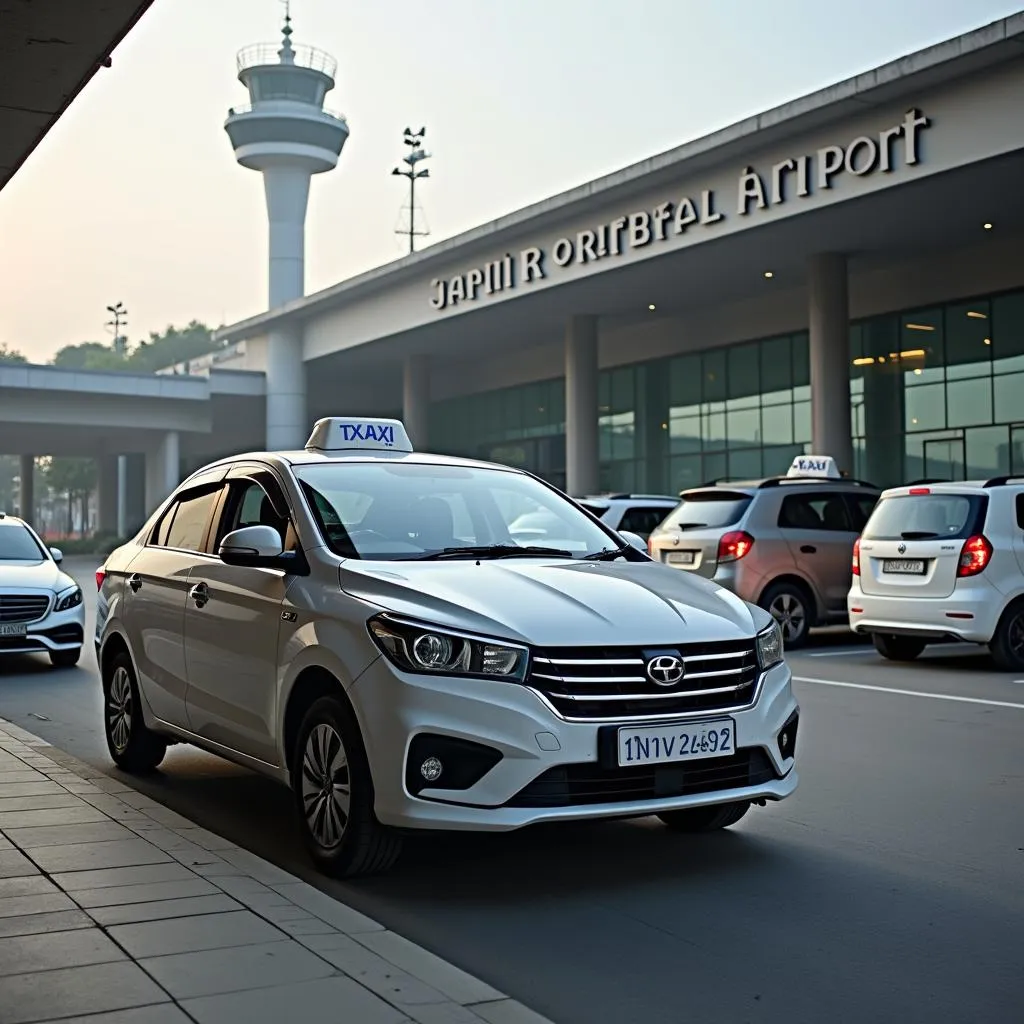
x=642, y=521
x=811, y=511
x=927, y=517
x=707, y=509
x=861, y=506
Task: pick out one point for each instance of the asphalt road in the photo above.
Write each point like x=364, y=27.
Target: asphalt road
x=887, y=889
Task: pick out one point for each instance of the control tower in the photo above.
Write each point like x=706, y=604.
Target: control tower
x=286, y=134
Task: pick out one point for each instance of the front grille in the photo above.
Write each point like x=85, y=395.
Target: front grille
x=22, y=607
x=570, y=785
x=612, y=682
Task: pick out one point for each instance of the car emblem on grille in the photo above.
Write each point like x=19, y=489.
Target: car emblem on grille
x=665, y=670
x=902, y=549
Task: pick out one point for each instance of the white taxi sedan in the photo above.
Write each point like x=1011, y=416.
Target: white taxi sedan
x=356, y=620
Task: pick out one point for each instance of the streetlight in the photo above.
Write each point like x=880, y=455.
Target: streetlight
x=119, y=319
x=414, y=140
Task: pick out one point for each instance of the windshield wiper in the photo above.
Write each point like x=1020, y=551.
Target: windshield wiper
x=495, y=551
x=607, y=554
x=918, y=535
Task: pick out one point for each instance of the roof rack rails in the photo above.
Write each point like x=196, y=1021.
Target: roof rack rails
x=778, y=481
x=1002, y=481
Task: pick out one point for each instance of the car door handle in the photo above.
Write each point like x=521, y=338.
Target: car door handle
x=808, y=549
x=200, y=593
x=135, y=581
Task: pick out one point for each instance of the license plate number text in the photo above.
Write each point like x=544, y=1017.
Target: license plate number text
x=904, y=566
x=665, y=744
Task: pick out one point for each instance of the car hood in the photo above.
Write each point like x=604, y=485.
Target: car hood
x=42, y=575
x=557, y=603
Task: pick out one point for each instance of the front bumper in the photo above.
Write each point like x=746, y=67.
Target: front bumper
x=548, y=769
x=53, y=631
x=971, y=613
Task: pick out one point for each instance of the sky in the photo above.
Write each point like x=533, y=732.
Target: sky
x=134, y=195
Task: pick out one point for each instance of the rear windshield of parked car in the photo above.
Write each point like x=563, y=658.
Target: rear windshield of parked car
x=18, y=545
x=927, y=517
x=707, y=509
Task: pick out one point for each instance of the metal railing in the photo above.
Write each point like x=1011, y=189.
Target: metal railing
x=262, y=54
x=267, y=107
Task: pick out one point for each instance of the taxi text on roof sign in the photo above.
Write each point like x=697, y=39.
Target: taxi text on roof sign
x=352, y=433
x=815, y=465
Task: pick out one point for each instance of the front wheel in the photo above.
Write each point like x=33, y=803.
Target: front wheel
x=66, y=658
x=705, y=819
x=1007, y=646
x=897, y=648
x=133, y=746
x=334, y=795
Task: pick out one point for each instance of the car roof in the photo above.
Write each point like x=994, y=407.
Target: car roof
x=953, y=487
x=6, y=519
x=750, y=487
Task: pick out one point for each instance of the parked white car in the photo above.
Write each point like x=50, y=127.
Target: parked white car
x=943, y=562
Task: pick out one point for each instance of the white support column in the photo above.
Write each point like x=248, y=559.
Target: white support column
x=122, y=495
x=581, y=413
x=287, y=192
x=27, y=502
x=108, y=493
x=162, y=470
x=829, y=321
x=287, y=425
x=416, y=399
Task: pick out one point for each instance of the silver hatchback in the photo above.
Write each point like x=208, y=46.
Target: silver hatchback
x=784, y=543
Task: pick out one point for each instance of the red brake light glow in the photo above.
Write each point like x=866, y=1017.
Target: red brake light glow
x=856, y=557
x=101, y=575
x=974, y=556
x=734, y=545
x=920, y=490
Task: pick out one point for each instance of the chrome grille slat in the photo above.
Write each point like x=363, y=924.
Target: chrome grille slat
x=23, y=607
x=588, y=682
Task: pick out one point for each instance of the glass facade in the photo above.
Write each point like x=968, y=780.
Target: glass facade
x=935, y=392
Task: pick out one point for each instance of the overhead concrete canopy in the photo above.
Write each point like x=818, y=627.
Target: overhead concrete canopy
x=49, y=49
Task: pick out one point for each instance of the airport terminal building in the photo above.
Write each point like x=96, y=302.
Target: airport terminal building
x=843, y=275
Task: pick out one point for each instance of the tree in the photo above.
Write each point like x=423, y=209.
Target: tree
x=10, y=355
x=76, y=479
x=90, y=355
x=174, y=345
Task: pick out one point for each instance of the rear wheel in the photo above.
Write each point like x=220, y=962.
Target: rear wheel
x=1007, y=646
x=898, y=648
x=65, y=659
x=133, y=746
x=792, y=608
x=334, y=795
x=705, y=819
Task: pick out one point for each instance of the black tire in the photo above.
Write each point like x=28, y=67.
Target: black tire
x=343, y=836
x=1007, y=645
x=705, y=819
x=792, y=606
x=133, y=746
x=65, y=659
x=898, y=648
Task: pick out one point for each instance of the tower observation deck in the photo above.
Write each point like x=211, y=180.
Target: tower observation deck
x=286, y=134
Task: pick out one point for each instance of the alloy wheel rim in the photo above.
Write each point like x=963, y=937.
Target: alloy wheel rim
x=326, y=786
x=1015, y=637
x=119, y=710
x=788, y=612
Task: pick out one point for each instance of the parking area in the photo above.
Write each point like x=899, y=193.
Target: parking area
x=886, y=889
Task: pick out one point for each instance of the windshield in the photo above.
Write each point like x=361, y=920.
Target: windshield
x=18, y=545
x=707, y=509
x=397, y=511
x=927, y=516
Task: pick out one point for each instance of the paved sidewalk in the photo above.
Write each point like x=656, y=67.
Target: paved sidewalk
x=115, y=909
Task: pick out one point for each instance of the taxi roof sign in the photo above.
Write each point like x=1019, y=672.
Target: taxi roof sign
x=815, y=465
x=355, y=433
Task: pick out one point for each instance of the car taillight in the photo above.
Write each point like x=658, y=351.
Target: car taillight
x=974, y=555
x=856, y=557
x=734, y=545
x=101, y=575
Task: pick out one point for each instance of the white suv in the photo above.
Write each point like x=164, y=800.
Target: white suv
x=635, y=513
x=943, y=562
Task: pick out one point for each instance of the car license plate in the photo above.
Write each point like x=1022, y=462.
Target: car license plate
x=681, y=557
x=904, y=566
x=13, y=629
x=664, y=744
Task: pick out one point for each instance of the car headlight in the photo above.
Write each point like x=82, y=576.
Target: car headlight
x=769, y=646
x=417, y=647
x=70, y=598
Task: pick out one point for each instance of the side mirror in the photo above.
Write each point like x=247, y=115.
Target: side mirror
x=635, y=539
x=251, y=546
x=57, y=555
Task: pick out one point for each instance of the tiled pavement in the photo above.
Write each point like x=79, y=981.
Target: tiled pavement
x=115, y=909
